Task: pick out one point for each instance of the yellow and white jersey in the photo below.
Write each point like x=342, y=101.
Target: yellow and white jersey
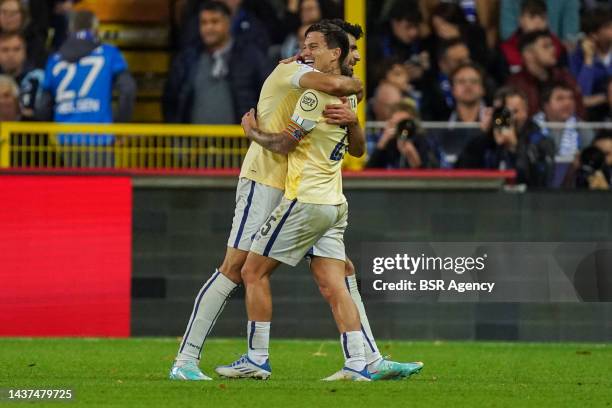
x=279, y=94
x=314, y=168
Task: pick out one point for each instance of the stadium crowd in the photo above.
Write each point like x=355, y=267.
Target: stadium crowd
x=512, y=66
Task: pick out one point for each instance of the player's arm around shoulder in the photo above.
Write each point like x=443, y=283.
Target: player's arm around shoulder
x=336, y=85
x=344, y=114
x=279, y=143
x=306, y=115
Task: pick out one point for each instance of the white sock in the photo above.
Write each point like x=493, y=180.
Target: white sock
x=353, y=349
x=208, y=306
x=258, y=338
x=373, y=356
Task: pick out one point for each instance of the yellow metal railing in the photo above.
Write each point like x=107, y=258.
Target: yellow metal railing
x=137, y=146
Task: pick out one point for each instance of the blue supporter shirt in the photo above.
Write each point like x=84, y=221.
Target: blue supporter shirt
x=82, y=90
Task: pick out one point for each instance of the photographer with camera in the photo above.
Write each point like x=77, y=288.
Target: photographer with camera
x=594, y=169
x=403, y=143
x=513, y=141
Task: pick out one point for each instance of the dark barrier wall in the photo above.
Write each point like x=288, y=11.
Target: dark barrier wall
x=180, y=237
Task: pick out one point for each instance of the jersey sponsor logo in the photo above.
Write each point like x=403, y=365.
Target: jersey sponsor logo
x=309, y=102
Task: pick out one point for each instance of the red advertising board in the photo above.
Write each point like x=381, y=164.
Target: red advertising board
x=65, y=263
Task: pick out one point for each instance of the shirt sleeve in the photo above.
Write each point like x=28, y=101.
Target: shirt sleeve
x=307, y=114
x=118, y=64
x=47, y=81
x=302, y=69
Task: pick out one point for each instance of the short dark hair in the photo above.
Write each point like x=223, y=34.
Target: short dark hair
x=603, y=134
x=334, y=36
x=406, y=10
x=508, y=91
x=219, y=7
x=446, y=45
x=596, y=19
x=528, y=39
x=550, y=89
x=450, y=12
x=472, y=66
x=534, y=8
x=82, y=20
x=7, y=36
x=353, y=29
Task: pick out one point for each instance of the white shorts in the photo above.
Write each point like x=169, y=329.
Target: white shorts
x=296, y=229
x=254, y=203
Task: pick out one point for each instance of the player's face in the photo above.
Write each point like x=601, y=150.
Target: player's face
x=12, y=55
x=317, y=54
x=214, y=28
x=353, y=56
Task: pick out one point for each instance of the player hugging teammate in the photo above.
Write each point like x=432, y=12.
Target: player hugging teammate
x=290, y=205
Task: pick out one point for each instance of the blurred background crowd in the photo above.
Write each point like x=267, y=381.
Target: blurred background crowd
x=478, y=84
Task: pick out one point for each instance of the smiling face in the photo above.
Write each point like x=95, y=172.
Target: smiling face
x=317, y=54
x=353, y=56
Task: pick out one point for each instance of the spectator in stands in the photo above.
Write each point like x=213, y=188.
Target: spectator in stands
x=447, y=23
x=381, y=104
x=437, y=97
x=594, y=168
x=29, y=79
x=310, y=13
x=591, y=62
x=467, y=87
x=219, y=80
x=254, y=21
x=481, y=12
x=9, y=99
x=400, y=40
x=563, y=18
x=78, y=88
x=59, y=17
x=394, y=72
x=540, y=70
x=403, y=143
x=532, y=18
x=513, y=141
x=14, y=18
x=558, y=105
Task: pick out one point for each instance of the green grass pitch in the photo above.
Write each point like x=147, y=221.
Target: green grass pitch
x=133, y=373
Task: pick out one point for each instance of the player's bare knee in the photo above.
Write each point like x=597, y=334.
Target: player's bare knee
x=250, y=274
x=326, y=292
x=232, y=272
